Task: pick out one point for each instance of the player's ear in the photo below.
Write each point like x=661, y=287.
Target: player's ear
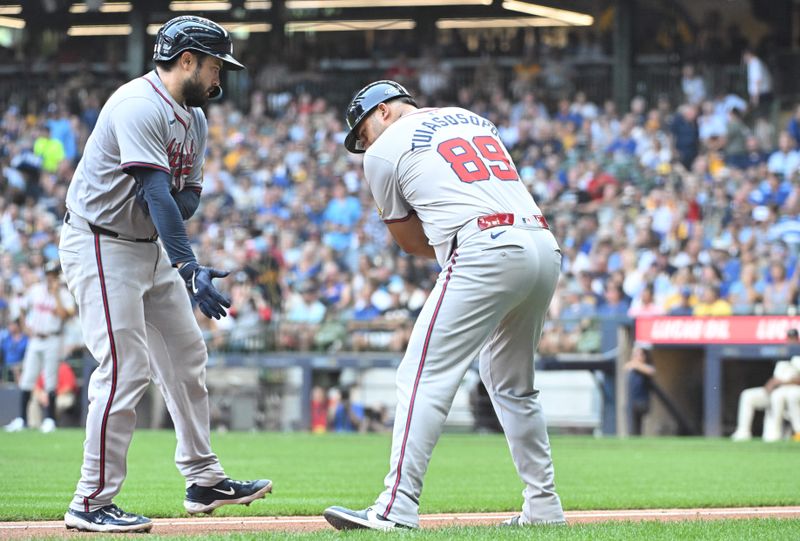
x=187, y=59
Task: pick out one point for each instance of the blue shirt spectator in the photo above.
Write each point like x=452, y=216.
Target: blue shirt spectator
x=348, y=416
x=13, y=344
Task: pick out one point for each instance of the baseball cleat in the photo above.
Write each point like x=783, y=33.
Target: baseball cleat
x=519, y=520
x=206, y=499
x=48, y=425
x=15, y=426
x=366, y=519
x=108, y=519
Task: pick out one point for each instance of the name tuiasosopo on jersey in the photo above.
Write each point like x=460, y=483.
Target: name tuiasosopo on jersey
x=449, y=165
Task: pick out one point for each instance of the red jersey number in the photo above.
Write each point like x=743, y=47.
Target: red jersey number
x=470, y=165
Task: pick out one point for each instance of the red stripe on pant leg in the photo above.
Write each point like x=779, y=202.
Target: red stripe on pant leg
x=104, y=423
x=416, y=386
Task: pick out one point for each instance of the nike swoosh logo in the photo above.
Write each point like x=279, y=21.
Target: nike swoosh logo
x=129, y=520
x=228, y=492
x=171, y=122
x=495, y=235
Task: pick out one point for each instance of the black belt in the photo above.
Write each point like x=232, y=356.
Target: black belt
x=107, y=232
x=44, y=336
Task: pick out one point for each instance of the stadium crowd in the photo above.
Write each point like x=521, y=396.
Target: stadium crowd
x=687, y=206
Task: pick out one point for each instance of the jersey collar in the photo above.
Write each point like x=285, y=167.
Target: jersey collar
x=181, y=113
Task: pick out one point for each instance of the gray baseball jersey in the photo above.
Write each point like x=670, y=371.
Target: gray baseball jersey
x=44, y=326
x=399, y=169
x=136, y=316
x=500, y=265
x=140, y=125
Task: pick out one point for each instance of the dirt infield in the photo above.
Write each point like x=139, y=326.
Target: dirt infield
x=221, y=525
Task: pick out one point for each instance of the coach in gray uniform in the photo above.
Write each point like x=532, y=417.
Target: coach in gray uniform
x=446, y=188
x=139, y=178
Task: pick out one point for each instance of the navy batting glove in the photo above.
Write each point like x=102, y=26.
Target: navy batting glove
x=198, y=280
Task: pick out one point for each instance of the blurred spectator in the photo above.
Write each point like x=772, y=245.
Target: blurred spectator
x=66, y=398
x=640, y=374
x=49, y=149
x=785, y=160
x=693, y=86
x=402, y=71
x=616, y=302
x=779, y=292
x=13, y=343
x=319, y=410
x=684, y=306
x=684, y=129
x=377, y=419
x=304, y=314
x=344, y=414
x=736, y=137
x=645, y=304
x=759, y=82
x=747, y=291
x=434, y=78
x=710, y=302
x=61, y=129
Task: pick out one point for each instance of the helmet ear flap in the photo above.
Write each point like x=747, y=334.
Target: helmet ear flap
x=364, y=102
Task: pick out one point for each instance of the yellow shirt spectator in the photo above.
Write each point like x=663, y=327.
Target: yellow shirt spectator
x=719, y=307
x=50, y=150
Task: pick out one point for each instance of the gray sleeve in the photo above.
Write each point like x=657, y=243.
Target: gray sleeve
x=140, y=126
x=194, y=182
x=382, y=180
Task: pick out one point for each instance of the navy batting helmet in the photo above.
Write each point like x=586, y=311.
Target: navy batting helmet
x=190, y=33
x=362, y=104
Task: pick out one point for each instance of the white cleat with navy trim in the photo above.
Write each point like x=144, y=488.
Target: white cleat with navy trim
x=366, y=519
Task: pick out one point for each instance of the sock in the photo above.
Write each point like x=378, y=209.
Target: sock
x=24, y=399
x=51, y=405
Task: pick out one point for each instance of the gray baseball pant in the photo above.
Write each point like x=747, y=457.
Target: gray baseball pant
x=490, y=302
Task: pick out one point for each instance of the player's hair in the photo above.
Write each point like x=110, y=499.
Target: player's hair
x=406, y=99
x=167, y=65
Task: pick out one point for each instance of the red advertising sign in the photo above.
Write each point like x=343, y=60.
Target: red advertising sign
x=715, y=330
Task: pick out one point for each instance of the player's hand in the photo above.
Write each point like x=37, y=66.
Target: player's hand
x=198, y=280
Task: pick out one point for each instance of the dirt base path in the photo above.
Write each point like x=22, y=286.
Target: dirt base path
x=221, y=525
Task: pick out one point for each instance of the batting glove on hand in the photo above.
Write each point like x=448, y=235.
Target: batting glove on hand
x=198, y=280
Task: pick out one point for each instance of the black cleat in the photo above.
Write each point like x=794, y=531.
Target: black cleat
x=206, y=499
x=108, y=519
x=366, y=519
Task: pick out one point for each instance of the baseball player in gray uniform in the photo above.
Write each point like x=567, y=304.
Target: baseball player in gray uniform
x=139, y=178
x=446, y=187
x=46, y=305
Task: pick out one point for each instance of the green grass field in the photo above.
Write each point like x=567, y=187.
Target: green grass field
x=468, y=473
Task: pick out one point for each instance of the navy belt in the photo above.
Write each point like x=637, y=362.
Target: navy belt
x=107, y=232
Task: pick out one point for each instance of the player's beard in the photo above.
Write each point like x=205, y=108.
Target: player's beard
x=194, y=94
